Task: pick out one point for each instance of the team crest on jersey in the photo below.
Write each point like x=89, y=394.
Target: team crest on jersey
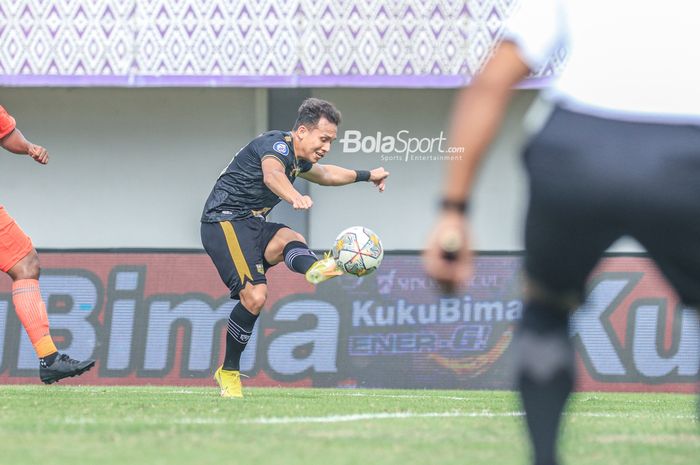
x=281, y=148
x=260, y=268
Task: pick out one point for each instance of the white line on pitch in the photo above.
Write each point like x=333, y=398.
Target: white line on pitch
x=372, y=416
x=630, y=415
x=403, y=415
x=346, y=418
x=200, y=421
x=396, y=396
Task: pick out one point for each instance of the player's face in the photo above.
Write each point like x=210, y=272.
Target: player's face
x=316, y=142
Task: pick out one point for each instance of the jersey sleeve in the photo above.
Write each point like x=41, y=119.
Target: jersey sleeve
x=7, y=123
x=275, y=148
x=537, y=27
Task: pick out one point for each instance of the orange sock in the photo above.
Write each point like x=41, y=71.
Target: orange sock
x=32, y=314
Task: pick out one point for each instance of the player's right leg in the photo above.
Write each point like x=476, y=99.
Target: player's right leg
x=19, y=260
x=285, y=244
x=234, y=247
x=567, y=230
x=323, y=270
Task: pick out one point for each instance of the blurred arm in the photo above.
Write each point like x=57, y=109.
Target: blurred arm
x=477, y=116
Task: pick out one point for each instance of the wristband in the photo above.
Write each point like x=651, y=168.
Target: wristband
x=362, y=175
x=456, y=206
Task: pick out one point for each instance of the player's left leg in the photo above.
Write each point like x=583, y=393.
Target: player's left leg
x=30, y=308
x=239, y=331
x=31, y=311
x=235, y=249
x=21, y=262
x=290, y=246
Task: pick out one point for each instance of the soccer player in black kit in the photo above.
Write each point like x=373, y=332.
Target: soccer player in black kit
x=239, y=240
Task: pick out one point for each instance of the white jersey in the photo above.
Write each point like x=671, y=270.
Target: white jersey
x=635, y=60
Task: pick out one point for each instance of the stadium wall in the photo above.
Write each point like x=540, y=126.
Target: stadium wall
x=132, y=167
x=160, y=318
x=128, y=168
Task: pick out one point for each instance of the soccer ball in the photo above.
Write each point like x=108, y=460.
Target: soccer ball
x=358, y=251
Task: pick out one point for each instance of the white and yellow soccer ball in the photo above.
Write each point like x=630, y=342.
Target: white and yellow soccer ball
x=358, y=251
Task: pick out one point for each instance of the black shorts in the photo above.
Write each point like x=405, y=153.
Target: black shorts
x=594, y=180
x=237, y=249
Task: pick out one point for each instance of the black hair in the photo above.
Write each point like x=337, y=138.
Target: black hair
x=313, y=109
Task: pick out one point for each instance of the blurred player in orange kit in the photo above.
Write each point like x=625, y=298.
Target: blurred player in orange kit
x=19, y=259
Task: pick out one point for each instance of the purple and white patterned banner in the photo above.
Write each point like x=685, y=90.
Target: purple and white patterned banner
x=256, y=43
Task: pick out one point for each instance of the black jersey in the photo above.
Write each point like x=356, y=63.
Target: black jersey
x=240, y=191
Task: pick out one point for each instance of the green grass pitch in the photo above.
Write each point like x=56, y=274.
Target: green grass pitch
x=176, y=425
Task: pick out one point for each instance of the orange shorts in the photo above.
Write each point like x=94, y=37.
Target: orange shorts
x=14, y=243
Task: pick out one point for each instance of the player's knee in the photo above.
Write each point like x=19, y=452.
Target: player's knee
x=542, y=344
x=27, y=268
x=254, y=299
x=33, y=267
x=286, y=235
x=298, y=237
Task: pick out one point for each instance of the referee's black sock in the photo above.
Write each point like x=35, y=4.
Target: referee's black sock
x=298, y=257
x=545, y=375
x=240, y=328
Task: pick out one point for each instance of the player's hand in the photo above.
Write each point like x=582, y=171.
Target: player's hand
x=378, y=177
x=303, y=202
x=447, y=257
x=38, y=153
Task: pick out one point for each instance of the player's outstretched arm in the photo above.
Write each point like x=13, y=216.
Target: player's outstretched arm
x=15, y=142
x=276, y=180
x=476, y=117
x=332, y=175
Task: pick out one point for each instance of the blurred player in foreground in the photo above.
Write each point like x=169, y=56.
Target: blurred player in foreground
x=239, y=240
x=618, y=155
x=19, y=260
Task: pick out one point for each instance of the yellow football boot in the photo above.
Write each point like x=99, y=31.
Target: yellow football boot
x=229, y=382
x=323, y=270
